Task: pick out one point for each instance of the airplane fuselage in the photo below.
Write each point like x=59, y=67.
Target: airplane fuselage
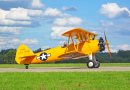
x=55, y=53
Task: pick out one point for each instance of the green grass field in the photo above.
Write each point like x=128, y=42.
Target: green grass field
x=65, y=80
x=63, y=65
x=109, y=80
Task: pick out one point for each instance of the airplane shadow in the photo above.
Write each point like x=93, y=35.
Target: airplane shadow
x=55, y=68
x=73, y=68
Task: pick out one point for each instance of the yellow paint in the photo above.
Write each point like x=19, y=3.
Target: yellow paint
x=25, y=56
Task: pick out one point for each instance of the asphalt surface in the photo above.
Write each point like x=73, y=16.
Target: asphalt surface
x=64, y=69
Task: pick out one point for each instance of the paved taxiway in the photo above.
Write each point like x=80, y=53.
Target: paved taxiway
x=64, y=69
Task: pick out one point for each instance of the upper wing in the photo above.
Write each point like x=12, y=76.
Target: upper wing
x=81, y=32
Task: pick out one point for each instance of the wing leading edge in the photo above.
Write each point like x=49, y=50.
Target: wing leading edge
x=81, y=32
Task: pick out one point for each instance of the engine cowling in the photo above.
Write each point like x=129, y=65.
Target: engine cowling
x=101, y=44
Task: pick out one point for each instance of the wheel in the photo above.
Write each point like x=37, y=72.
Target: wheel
x=97, y=64
x=90, y=64
x=26, y=67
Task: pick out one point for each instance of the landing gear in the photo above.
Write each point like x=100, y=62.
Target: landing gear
x=90, y=64
x=97, y=64
x=26, y=66
x=93, y=63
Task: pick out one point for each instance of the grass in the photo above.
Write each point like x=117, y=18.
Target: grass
x=65, y=80
x=63, y=65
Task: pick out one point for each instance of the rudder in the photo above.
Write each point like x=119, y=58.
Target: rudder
x=24, y=55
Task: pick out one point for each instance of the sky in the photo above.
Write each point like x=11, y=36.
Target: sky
x=40, y=23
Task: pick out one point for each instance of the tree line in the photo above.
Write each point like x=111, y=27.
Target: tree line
x=8, y=57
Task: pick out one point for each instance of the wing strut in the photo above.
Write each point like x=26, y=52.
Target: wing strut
x=74, y=44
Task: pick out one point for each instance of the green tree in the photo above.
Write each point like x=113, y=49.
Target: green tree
x=123, y=54
x=38, y=50
x=9, y=57
x=1, y=59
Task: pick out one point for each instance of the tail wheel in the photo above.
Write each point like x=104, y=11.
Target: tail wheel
x=90, y=64
x=97, y=64
x=26, y=66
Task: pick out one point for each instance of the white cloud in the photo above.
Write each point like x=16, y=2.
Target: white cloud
x=2, y=43
x=18, y=14
x=13, y=19
x=35, y=12
x=106, y=23
x=57, y=31
x=118, y=47
x=112, y=10
x=111, y=50
x=14, y=30
x=61, y=42
x=14, y=23
x=123, y=47
x=72, y=8
x=54, y=13
x=14, y=41
x=68, y=21
x=111, y=46
x=118, y=29
x=20, y=17
x=94, y=32
x=61, y=20
x=5, y=20
x=5, y=43
x=30, y=41
x=50, y=12
x=97, y=28
x=26, y=41
x=2, y=38
x=45, y=47
x=3, y=13
x=22, y=14
x=28, y=4
x=114, y=50
x=8, y=0
x=37, y=4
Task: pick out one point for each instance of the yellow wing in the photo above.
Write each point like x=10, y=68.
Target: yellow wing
x=70, y=55
x=81, y=32
x=72, y=50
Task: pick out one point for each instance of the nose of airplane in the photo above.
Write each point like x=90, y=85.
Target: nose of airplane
x=101, y=44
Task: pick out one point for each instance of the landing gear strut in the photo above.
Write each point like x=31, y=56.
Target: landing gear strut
x=97, y=64
x=26, y=66
x=92, y=63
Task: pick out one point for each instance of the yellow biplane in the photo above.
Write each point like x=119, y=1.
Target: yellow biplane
x=85, y=46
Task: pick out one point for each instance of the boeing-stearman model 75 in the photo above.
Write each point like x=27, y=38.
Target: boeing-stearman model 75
x=85, y=46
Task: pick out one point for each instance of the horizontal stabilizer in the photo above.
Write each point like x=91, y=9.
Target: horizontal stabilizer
x=28, y=56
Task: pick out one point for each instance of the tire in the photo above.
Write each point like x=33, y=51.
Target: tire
x=26, y=67
x=97, y=64
x=90, y=64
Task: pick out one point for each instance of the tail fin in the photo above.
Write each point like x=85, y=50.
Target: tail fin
x=24, y=55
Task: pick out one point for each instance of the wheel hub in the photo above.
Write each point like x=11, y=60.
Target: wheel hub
x=90, y=64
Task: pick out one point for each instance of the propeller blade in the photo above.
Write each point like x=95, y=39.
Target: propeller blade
x=107, y=44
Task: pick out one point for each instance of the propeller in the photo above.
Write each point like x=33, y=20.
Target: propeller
x=107, y=44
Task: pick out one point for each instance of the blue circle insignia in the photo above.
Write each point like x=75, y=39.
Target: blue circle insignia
x=43, y=56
